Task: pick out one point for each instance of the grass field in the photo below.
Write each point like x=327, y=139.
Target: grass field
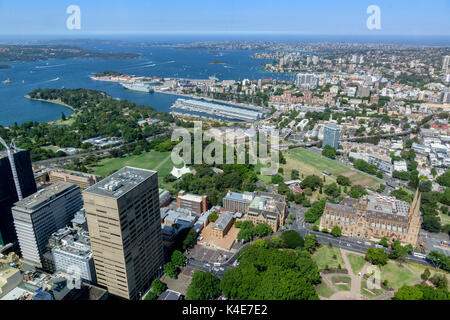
x=397, y=276
x=343, y=283
x=325, y=291
x=372, y=293
x=324, y=257
x=148, y=160
x=445, y=218
x=357, y=262
x=309, y=163
x=419, y=269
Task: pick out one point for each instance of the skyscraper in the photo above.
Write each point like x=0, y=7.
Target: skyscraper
x=307, y=81
x=123, y=217
x=446, y=64
x=38, y=216
x=331, y=136
x=8, y=192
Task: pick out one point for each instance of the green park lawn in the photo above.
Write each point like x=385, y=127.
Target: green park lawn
x=419, y=269
x=325, y=291
x=341, y=286
x=370, y=293
x=357, y=262
x=397, y=276
x=148, y=160
x=324, y=256
x=308, y=163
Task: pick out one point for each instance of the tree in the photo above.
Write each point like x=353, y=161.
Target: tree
x=292, y=239
x=329, y=152
x=178, y=258
x=376, y=256
x=408, y=293
x=425, y=186
x=190, y=239
x=384, y=242
x=158, y=286
x=204, y=286
x=440, y=281
x=313, y=182
x=213, y=217
x=151, y=296
x=440, y=260
x=332, y=190
x=426, y=274
x=357, y=192
x=262, y=229
x=336, y=231
x=315, y=212
x=343, y=181
x=295, y=174
x=171, y=270
x=444, y=180
x=310, y=243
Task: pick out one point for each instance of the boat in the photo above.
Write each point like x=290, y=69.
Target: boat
x=7, y=81
x=138, y=86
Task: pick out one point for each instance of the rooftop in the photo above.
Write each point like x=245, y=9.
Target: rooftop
x=44, y=196
x=120, y=182
x=223, y=220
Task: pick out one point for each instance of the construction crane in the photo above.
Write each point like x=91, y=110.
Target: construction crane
x=11, y=149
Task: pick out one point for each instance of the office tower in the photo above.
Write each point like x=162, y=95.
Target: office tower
x=8, y=193
x=36, y=217
x=123, y=217
x=331, y=136
x=307, y=81
x=445, y=64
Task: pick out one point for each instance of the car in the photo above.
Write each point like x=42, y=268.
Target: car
x=230, y=262
x=207, y=265
x=359, y=274
x=349, y=245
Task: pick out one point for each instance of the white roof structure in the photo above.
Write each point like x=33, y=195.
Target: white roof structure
x=177, y=173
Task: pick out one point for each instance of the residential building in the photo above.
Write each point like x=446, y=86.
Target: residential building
x=123, y=217
x=37, y=216
x=331, y=136
x=307, y=81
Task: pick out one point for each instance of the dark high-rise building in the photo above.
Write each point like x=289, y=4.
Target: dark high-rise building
x=8, y=192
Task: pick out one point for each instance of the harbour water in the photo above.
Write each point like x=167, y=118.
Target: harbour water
x=162, y=61
x=74, y=73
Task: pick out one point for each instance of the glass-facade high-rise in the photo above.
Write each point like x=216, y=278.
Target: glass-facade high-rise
x=8, y=193
x=331, y=136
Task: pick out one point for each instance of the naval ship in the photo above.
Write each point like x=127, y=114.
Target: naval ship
x=138, y=86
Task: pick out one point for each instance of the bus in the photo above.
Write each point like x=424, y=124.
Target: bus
x=419, y=255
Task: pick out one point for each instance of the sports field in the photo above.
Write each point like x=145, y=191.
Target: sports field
x=153, y=160
x=308, y=163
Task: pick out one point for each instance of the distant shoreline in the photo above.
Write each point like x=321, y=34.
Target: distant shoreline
x=58, y=102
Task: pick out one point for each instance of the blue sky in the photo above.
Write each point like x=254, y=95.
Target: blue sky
x=398, y=17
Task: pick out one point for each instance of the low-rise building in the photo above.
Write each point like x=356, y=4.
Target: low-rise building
x=223, y=224
x=81, y=179
x=192, y=202
x=375, y=217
